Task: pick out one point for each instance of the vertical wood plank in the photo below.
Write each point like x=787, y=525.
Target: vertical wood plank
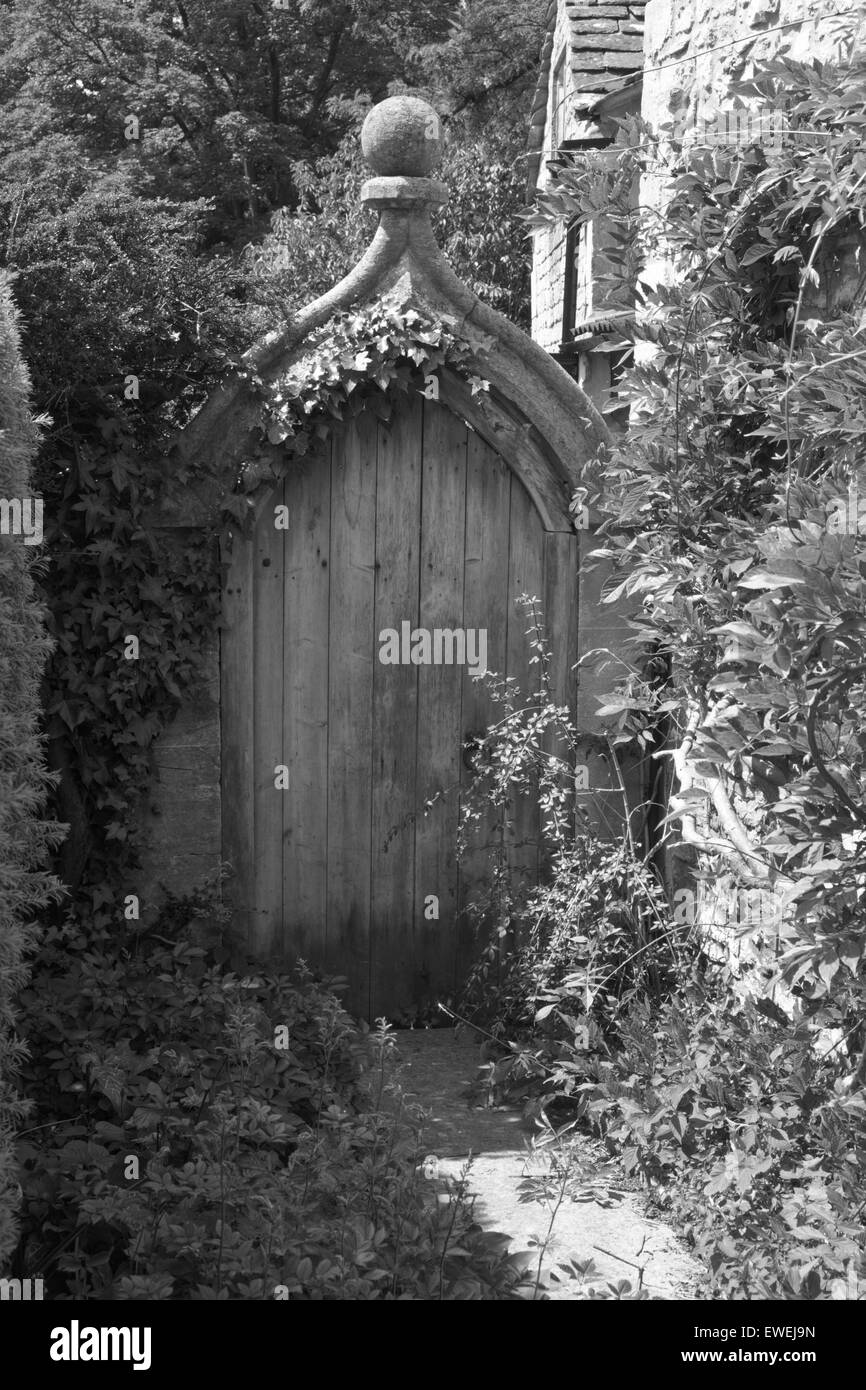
x=485, y=605
x=237, y=728
x=560, y=620
x=395, y=690
x=440, y=689
x=268, y=743
x=525, y=575
x=604, y=627
x=351, y=655
x=305, y=703
x=560, y=599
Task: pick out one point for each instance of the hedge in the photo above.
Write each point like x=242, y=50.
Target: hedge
x=25, y=837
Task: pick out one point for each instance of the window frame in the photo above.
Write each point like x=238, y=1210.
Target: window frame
x=558, y=98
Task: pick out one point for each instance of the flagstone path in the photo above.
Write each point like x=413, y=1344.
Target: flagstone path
x=607, y=1225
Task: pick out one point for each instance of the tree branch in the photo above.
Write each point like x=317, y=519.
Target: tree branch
x=840, y=678
x=276, y=76
x=321, y=86
x=737, y=843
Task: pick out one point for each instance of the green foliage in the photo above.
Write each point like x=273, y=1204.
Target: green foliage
x=731, y=517
x=25, y=836
x=119, y=579
x=216, y=1134
x=227, y=97
x=478, y=229
x=142, y=308
x=127, y=327
x=311, y=247
x=749, y=587
x=726, y=508
x=571, y=949
x=753, y=1144
x=361, y=356
x=483, y=73
x=126, y=280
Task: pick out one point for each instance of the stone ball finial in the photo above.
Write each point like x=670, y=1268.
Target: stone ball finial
x=402, y=137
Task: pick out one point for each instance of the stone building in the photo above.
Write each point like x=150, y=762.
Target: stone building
x=590, y=75
x=676, y=63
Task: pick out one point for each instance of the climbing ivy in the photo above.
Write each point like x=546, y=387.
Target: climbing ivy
x=116, y=575
x=360, y=358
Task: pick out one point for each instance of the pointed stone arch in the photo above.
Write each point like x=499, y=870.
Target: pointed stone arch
x=480, y=509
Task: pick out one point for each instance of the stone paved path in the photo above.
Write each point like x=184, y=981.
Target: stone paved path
x=439, y=1067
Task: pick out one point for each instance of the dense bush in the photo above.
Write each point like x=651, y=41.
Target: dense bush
x=605, y=1014
x=748, y=1138
x=203, y=1132
x=731, y=517
x=127, y=329
x=591, y=932
x=312, y=246
x=25, y=838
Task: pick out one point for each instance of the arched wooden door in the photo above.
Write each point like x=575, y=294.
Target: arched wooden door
x=415, y=521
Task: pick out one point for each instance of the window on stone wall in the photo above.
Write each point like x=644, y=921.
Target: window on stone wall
x=583, y=274
x=556, y=125
x=577, y=297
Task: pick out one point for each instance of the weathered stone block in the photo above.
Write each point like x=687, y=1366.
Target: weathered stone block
x=597, y=11
x=595, y=62
x=594, y=26
x=609, y=43
x=589, y=82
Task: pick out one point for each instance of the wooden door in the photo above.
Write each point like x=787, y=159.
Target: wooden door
x=415, y=521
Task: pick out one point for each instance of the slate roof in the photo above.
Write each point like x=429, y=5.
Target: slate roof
x=605, y=54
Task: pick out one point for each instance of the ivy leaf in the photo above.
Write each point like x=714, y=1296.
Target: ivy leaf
x=758, y=252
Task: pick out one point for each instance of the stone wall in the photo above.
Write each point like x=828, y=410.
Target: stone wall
x=696, y=51
x=692, y=62
x=548, y=278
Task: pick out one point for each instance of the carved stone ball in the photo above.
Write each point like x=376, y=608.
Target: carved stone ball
x=402, y=137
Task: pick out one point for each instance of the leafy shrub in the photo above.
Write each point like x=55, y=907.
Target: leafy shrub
x=572, y=947
x=752, y=1143
x=311, y=247
x=205, y=1133
x=127, y=328
x=731, y=515
x=25, y=837
x=608, y=1015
